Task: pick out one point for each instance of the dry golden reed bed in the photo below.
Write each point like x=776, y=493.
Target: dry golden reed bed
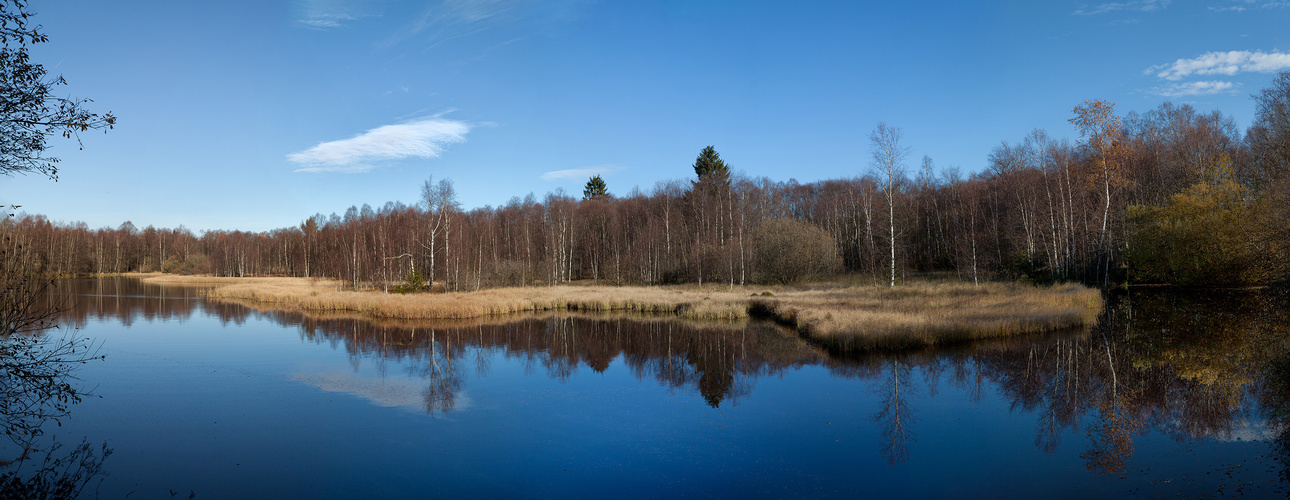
x=844, y=318
x=874, y=317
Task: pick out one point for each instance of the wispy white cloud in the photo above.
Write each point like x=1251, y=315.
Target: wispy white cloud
x=325, y=21
x=424, y=138
x=1194, y=89
x=1132, y=6
x=487, y=23
x=326, y=14
x=1223, y=63
x=449, y=19
x=1241, y=5
x=578, y=173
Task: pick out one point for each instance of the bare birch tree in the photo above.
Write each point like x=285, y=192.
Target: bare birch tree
x=439, y=201
x=889, y=161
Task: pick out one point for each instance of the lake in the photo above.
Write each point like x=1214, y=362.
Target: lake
x=1173, y=393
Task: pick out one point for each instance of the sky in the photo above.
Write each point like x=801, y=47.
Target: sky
x=255, y=115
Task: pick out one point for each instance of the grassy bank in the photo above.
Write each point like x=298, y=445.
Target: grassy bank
x=863, y=318
x=328, y=316
x=844, y=318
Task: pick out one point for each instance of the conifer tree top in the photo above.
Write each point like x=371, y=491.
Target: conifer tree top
x=709, y=162
x=595, y=189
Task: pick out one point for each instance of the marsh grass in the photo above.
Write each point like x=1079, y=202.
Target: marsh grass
x=918, y=315
x=485, y=321
x=326, y=296
x=841, y=318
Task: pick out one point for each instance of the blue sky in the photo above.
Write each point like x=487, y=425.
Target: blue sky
x=255, y=115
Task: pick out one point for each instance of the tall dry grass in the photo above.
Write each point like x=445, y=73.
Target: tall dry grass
x=843, y=318
x=446, y=323
x=875, y=317
x=325, y=295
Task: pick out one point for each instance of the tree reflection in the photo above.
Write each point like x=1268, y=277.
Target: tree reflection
x=38, y=385
x=1191, y=365
x=1185, y=364
x=56, y=475
x=1275, y=396
x=895, y=415
x=719, y=361
x=443, y=372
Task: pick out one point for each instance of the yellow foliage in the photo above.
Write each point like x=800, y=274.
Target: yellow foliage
x=1211, y=233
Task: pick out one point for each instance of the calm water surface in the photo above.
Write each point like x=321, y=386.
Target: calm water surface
x=1172, y=394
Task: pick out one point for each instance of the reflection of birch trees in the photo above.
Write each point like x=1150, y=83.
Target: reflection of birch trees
x=1111, y=435
x=443, y=372
x=1058, y=408
x=38, y=382
x=562, y=360
x=895, y=415
x=719, y=362
x=1184, y=364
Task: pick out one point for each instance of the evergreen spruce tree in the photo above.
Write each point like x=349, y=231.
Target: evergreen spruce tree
x=709, y=163
x=595, y=189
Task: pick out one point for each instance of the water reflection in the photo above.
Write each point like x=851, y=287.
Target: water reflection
x=39, y=360
x=56, y=474
x=1192, y=366
x=719, y=362
x=895, y=416
x=127, y=301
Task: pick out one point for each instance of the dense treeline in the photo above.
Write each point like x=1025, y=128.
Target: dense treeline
x=1169, y=195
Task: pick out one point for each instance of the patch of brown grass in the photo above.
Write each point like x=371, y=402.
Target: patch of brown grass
x=844, y=318
x=319, y=295
x=874, y=317
x=445, y=323
x=204, y=281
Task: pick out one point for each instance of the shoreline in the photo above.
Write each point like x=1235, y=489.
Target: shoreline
x=839, y=317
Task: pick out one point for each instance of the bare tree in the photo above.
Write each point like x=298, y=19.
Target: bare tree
x=439, y=201
x=889, y=160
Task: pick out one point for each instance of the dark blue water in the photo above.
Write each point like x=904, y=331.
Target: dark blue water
x=1172, y=394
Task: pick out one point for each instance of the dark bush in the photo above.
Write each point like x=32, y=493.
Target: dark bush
x=790, y=251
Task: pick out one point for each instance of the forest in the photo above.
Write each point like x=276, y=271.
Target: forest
x=1171, y=195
